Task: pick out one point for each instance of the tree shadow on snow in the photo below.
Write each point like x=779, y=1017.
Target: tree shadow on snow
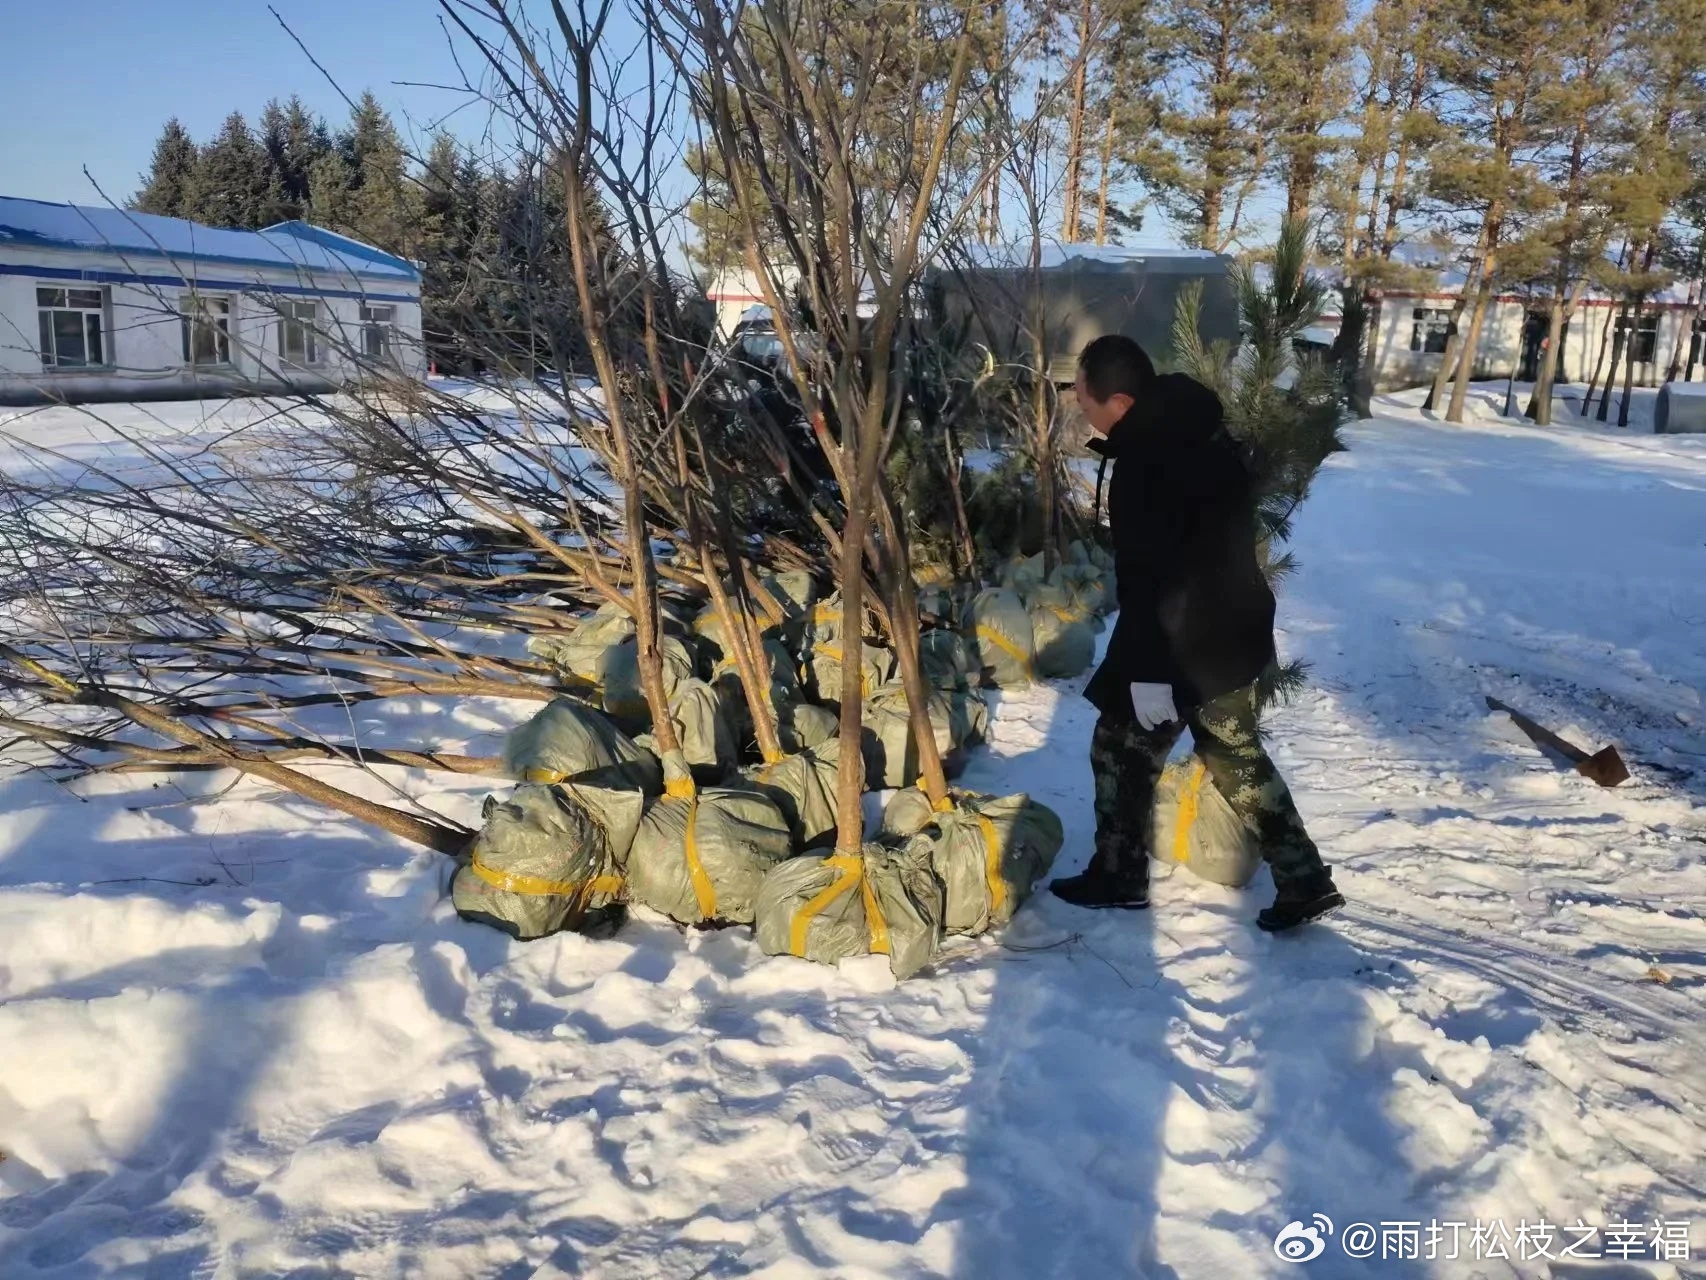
x=1143, y=1078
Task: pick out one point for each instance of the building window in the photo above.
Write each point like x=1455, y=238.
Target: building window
x=298, y=342
x=72, y=327
x=1429, y=331
x=207, y=328
x=377, y=327
x=1644, y=343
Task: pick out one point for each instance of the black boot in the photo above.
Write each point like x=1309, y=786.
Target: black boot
x=1301, y=901
x=1094, y=887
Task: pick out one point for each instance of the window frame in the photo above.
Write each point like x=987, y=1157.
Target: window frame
x=47, y=335
x=1640, y=331
x=386, y=329
x=193, y=314
x=291, y=317
x=1437, y=321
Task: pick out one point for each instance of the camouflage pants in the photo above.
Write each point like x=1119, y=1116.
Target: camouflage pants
x=1127, y=760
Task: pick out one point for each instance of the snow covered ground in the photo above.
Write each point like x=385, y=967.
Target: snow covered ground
x=247, y=1038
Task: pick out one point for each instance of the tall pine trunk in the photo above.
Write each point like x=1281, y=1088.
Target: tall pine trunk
x=1540, y=402
x=1075, y=131
x=1471, y=347
x=1629, y=359
x=1619, y=339
x=1478, y=317
x=1368, y=364
x=1107, y=171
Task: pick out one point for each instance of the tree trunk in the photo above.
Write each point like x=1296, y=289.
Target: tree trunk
x=1619, y=339
x=1362, y=389
x=850, y=775
x=1453, y=341
x=1471, y=345
x=1540, y=402
x=1075, y=131
x=1629, y=360
x=1491, y=226
x=1107, y=169
x=904, y=630
x=1674, y=367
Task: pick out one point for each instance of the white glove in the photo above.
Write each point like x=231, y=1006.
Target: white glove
x=1153, y=705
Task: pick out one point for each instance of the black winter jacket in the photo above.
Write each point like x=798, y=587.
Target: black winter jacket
x=1195, y=610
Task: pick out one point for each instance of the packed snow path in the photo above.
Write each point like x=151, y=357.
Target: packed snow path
x=244, y=1038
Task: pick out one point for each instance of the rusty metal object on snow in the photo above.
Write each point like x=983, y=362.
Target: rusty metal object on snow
x=1604, y=766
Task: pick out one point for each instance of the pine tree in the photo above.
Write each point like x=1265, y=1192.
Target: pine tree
x=1211, y=148
x=233, y=185
x=1394, y=129
x=295, y=141
x=360, y=187
x=1284, y=409
x=171, y=174
x=1583, y=108
x=1497, y=58
x=1301, y=65
x=1670, y=48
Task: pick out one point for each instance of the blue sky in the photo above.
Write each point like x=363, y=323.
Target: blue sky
x=90, y=82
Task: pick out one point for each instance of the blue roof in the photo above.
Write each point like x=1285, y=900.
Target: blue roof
x=38, y=224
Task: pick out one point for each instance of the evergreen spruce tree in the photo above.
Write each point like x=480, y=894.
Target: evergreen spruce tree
x=1302, y=68
x=1211, y=148
x=234, y=184
x=1285, y=409
x=167, y=186
x=361, y=187
x=295, y=141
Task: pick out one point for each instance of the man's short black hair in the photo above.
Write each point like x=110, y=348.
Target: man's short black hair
x=1115, y=365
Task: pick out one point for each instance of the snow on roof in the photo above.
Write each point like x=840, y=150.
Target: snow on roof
x=1056, y=254
x=39, y=224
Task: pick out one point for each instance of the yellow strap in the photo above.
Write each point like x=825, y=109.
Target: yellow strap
x=944, y=805
x=835, y=654
x=992, y=865
x=1064, y=614
x=1006, y=646
x=1187, y=815
x=680, y=789
x=874, y=921
x=543, y=775
x=538, y=886
x=771, y=760
x=850, y=867
x=704, y=892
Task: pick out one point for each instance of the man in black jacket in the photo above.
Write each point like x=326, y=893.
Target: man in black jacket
x=1195, y=631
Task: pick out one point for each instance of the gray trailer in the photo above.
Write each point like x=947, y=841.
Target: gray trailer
x=1086, y=292
x=1681, y=408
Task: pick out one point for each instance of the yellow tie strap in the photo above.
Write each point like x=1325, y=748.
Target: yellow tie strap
x=1187, y=814
x=680, y=788
x=944, y=805
x=704, y=892
x=850, y=867
x=540, y=887
x=992, y=865
x=543, y=775
x=836, y=655
x=875, y=923
x=1001, y=642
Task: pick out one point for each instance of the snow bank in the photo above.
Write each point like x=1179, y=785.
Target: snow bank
x=245, y=1037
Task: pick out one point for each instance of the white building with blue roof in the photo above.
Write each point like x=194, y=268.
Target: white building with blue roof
x=106, y=304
